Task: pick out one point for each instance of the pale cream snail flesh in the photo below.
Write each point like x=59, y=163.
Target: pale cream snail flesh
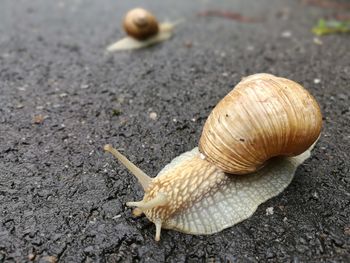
x=143, y=30
x=251, y=145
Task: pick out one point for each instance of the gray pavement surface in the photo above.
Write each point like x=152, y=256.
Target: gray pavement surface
x=63, y=199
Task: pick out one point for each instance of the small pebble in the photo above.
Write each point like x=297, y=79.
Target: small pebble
x=116, y=217
x=31, y=256
x=49, y=259
x=153, y=115
x=21, y=88
x=270, y=254
x=347, y=230
x=188, y=44
x=315, y=195
x=269, y=211
x=286, y=34
x=317, y=81
x=38, y=119
x=317, y=41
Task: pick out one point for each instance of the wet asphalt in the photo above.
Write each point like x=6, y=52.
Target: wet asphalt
x=62, y=97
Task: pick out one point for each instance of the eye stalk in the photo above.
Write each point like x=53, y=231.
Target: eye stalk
x=142, y=177
x=159, y=200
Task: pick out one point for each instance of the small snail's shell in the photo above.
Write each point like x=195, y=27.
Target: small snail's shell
x=140, y=24
x=262, y=117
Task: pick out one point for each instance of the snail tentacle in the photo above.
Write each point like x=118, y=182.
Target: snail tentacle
x=160, y=200
x=158, y=224
x=142, y=177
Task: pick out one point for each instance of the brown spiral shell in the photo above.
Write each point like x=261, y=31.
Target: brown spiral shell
x=262, y=117
x=140, y=24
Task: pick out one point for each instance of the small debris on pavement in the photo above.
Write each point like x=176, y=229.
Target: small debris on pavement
x=39, y=119
x=188, y=44
x=19, y=106
x=49, y=259
x=286, y=34
x=284, y=13
x=250, y=48
x=317, y=41
x=116, y=112
x=269, y=211
x=317, y=81
x=228, y=15
x=31, y=256
x=153, y=115
x=347, y=230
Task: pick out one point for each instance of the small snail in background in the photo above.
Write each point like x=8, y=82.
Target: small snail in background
x=140, y=24
x=143, y=30
x=250, y=147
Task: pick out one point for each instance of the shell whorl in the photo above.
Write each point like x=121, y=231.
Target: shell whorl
x=262, y=117
x=140, y=24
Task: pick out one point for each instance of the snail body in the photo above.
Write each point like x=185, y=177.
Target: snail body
x=143, y=30
x=250, y=147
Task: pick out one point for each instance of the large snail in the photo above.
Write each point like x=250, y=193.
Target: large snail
x=251, y=145
x=143, y=30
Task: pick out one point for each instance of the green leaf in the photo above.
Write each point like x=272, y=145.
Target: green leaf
x=325, y=27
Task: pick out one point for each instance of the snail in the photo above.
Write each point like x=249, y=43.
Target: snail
x=143, y=30
x=250, y=147
x=140, y=24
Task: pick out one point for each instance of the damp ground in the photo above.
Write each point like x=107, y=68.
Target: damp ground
x=62, y=97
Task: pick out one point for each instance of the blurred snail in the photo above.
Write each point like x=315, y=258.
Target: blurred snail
x=140, y=24
x=251, y=145
x=143, y=30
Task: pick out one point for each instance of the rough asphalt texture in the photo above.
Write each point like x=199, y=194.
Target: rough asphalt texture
x=62, y=198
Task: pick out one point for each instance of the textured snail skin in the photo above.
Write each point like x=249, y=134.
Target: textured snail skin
x=262, y=117
x=194, y=194
x=205, y=200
